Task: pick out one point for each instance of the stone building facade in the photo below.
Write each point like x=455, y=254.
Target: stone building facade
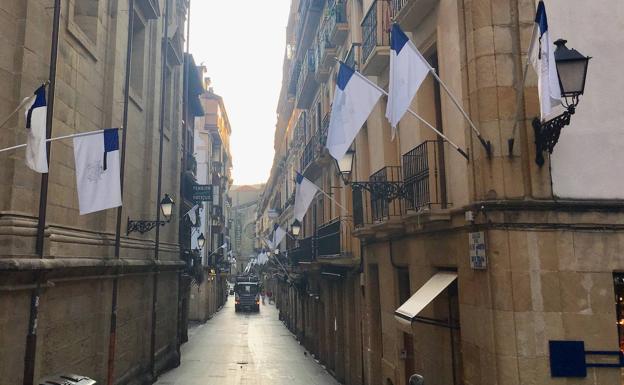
x=242, y=234
x=79, y=267
x=551, y=234
x=214, y=165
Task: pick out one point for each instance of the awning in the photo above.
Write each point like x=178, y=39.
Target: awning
x=408, y=312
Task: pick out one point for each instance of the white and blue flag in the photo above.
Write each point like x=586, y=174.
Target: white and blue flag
x=98, y=171
x=354, y=99
x=304, y=194
x=542, y=58
x=278, y=235
x=408, y=69
x=36, y=114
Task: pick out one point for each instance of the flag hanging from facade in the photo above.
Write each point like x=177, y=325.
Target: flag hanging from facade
x=304, y=193
x=97, y=171
x=36, y=113
x=192, y=214
x=542, y=58
x=354, y=99
x=408, y=69
x=278, y=234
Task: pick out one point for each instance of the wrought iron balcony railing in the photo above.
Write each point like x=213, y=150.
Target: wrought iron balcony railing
x=316, y=145
x=294, y=79
x=350, y=57
x=375, y=28
x=397, y=6
x=304, y=252
x=380, y=198
x=424, y=179
x=333, y=239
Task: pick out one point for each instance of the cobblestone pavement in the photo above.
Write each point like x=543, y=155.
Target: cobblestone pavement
x=245, y=348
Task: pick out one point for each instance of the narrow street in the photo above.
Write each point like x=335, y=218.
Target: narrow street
x=245, y=348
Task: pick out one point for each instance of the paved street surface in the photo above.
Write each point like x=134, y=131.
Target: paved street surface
x=245, y=348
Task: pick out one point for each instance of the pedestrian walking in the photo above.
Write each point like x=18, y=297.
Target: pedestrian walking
x=270, y=295
x=262, y=296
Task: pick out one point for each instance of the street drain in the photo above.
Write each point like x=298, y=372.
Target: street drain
x=242, y=363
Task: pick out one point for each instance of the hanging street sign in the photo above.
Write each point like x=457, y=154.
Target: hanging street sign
x=476, y=246
x=202, y=193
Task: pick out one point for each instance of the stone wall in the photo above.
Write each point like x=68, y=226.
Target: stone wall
x=79, y=265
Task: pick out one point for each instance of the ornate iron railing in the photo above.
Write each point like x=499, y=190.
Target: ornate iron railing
x=423, y=181
x=379, y=199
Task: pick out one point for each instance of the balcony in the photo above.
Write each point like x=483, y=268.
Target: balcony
x=294, y=80
x=307, y=84
x=424, y=179
x=411, y=12
x=303, y=253
x=325, y=53
x=316, y=146
x=376, y=38
x=381, y=200
x=333, y=239
x=337, y=26
x=309, y=17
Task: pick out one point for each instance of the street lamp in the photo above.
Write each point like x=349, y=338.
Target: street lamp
x=166, y=206
x=345, y=165
x=143, y=226
x=201, y=241
x=572, y=73
x=296, y=228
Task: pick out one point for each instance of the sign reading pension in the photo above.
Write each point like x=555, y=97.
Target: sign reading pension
x=202, y=193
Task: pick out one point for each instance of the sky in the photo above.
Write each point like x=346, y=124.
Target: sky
x=242, y=45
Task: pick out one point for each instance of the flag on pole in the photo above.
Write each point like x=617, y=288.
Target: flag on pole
x=97, y=171
x=542, y=58
x=192, y=214
x=408, y=69
x=36, y=113
x=354, y=99
x=304, y=193
x=278, y=234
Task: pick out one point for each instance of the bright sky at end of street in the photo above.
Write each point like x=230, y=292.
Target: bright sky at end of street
x=242, y=45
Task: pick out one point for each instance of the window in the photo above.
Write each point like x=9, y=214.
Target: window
x=137, y=59
x=86, y=17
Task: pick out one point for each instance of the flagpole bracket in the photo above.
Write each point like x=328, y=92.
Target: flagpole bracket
x=547, y=133
x=142, y=226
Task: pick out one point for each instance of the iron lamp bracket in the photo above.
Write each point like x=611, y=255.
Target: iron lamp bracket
x=382, y=190
x=547, y=133
x=142, y=226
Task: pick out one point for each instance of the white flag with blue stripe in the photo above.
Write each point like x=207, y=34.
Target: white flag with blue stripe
x=36, y=115
x=354, y=99
x=278, y=235
x=408, y=69
x=304, y=194
x=98, y=171
x=542, y=58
